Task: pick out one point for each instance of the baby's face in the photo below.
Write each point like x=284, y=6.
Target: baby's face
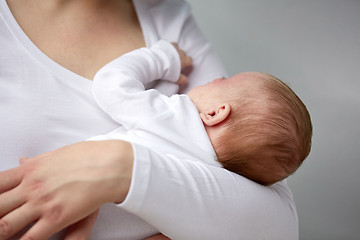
x=222, y=90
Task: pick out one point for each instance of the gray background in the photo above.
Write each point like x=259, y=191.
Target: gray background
x=314, y=46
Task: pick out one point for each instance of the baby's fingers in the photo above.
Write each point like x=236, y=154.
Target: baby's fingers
x=186, y=61
x=182, y=80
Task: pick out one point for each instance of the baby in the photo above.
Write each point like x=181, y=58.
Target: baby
x=252, y=123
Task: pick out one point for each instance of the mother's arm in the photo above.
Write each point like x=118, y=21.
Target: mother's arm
x=183, y=199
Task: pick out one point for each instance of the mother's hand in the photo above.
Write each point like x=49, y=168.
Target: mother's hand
x=59, y=188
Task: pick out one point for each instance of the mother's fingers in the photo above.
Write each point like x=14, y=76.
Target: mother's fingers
x=11, y=178
x=41, y=230
x=11, y=200
x=81, y=229
x=16, y=220
x=46, y=226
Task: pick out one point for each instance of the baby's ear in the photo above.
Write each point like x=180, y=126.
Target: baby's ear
x=217, y=115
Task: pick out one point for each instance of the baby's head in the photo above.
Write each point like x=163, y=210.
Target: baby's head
x=258, y=126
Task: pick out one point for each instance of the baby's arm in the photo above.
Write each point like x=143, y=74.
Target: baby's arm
x=119, y=86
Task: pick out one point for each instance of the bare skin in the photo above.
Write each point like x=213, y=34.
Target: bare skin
x=38, y=191
x=82, y=36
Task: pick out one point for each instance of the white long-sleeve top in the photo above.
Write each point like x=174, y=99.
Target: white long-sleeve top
x=45, y=106
x=167, y=125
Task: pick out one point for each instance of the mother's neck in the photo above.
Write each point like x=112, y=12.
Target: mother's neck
x=79, y=7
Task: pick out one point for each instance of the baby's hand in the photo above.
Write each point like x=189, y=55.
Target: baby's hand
x=186, y=65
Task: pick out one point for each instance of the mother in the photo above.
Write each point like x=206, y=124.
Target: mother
x=50, y=52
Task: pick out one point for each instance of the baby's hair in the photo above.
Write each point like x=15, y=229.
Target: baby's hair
x=268, y=134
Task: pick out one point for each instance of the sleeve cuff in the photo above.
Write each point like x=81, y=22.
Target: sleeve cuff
x=171, y=60
x=139, y=181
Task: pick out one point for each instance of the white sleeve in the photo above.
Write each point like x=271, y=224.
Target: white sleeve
x=118, y=87
x=192, y=200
